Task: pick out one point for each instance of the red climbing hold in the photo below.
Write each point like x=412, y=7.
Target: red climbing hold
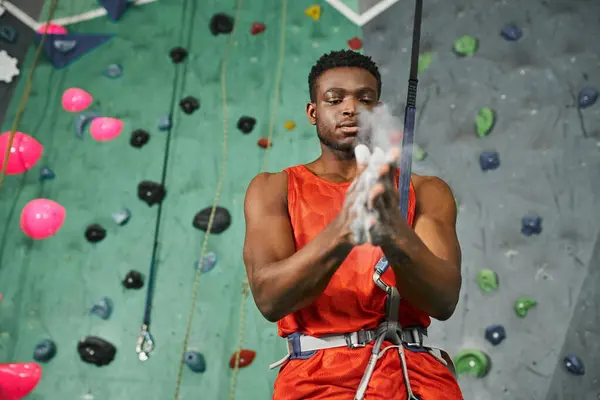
x=257, y=28
x=246, y=358
x=355, y=43
x=264, y=143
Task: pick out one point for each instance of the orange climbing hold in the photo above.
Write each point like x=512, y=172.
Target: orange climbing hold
x=246, y=358
x=257, y=27
x=314, y=12
x=264, y=143
x=355, y=43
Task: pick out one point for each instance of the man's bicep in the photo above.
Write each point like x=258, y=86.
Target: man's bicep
x=269, y=236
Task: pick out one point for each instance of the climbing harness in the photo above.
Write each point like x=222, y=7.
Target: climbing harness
x=303, y=346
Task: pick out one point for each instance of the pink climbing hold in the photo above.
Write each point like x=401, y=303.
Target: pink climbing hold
x=105, y=128
x=25, y=152
x=76, y=100
x=52, y=29
x=42, y=218
x=17, y=380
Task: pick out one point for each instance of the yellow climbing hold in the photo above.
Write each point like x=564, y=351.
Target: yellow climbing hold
x=314, y=12
x=289, y=125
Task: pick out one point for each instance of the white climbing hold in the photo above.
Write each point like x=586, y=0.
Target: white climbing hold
x=8, y=67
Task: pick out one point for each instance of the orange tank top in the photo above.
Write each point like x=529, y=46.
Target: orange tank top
x=351, y=301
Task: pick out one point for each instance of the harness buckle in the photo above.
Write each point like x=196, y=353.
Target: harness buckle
x=362, y=338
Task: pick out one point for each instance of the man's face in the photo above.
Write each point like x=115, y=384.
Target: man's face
x=339, y=95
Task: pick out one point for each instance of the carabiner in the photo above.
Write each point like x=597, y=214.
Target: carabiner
x=145, y=344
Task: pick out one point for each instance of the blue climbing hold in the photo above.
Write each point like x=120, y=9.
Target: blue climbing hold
x=209, y=262
x=587, y=97
x=574, y=365
x=489, y=160
x=195, y=361
x=511, y=32
x=495, y=334
x=114, y=8
x=44, y=351
x=164, y=123
x=46, y=174
x=103, y=308
x=62, y=50
x=122, y=216
x=8, y=34
x=531, y=225
x=113, y=71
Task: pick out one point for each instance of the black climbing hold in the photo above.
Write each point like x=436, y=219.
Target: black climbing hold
x=46, y=174
x=587, y=97
x=246, y=124
x=95, y=233
x=495, y=334
x=489, y=160
x=221, y=221
x=44, y=351
x=195, y=361
x=151, y=192
x=531, y=225
x=97, y=351
x=189, y=104
x=122, y=216
x=178, y=54
x=511, y=32
x=221, y=23
x=133, y=280
x=165, y=122
x=103, y=308
x=574, y=365
x=8, y=33
x=139, y=137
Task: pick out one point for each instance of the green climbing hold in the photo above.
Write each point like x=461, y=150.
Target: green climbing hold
x=485, y=121
x=419, y=153
x=487, y=280
x=523, y=305
x=424, y=61
x=465, y=46
x=472, y=362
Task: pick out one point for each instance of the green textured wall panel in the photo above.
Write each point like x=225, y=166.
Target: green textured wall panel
x=49, y=285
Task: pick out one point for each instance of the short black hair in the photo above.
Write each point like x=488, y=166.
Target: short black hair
x=341, y=58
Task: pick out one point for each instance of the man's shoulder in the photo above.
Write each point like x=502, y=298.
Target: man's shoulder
x=268, y=184
x=432, y=191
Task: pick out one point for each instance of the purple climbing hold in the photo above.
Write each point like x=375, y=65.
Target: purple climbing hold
x=531, y=225
x=489, y=160
x=114, y=8
x=495, y=334
x=62, y=50
x=511, y=32
x=574, y=365
x=587, y=97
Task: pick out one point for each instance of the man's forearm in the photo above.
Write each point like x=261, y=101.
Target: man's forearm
x=426, y=281
x=288, y=285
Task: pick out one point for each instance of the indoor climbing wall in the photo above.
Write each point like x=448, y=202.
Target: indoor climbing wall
x=164, y=95
x=506, y=117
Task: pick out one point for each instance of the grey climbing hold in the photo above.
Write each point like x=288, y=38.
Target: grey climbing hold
x=195, y=361
x=103, y=308
x=495, y=334
x=531, y=225
x=587, y=97
x=8, y=34
x=165, y=122
x=46, y=174
x=82, y=120
x=122, y=216
x=208, y=263
x=489, y=160
x=574, y=365
x=113, y=71
x=44, y=351
x=511, y=32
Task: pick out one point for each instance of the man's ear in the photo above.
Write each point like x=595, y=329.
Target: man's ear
x=311, y=113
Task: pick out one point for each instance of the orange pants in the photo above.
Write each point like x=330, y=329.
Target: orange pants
x=334, y=374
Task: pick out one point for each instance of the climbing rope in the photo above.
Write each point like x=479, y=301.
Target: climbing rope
x=26, y=93
x=211, y=218
x=245, y=285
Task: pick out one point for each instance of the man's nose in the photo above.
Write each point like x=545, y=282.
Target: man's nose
x=350, y=109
